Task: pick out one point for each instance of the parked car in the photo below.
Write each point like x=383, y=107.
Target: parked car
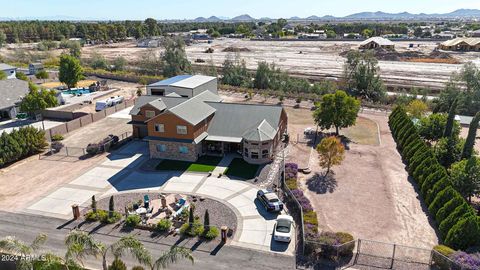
x=283, y=228
x=110, y=102
x=270, y=200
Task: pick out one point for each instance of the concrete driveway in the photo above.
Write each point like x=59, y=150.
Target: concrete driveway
x=120, y=173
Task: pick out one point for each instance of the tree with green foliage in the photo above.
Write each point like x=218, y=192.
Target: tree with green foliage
x=20, y=143
x=98, y=61
x=331, y=152
x=361, y=76
x=235, y=72
x=206, y=220
x=262, y=76
x=432, y=127
x=367, y=33
x=465, y=177
x=449, y=150
x=450, y=119
x=42, y=74
x=472, y=134
x=70, y=71
x=94, y=204
x=74, y=49
x=174, y=58
x=111, y=207
x=417, y=108
x=119, y=63
x=331, y=34
x=337, y=110
x=152, y=28
x=464, y=234
x=38, y=99
x=3, y=38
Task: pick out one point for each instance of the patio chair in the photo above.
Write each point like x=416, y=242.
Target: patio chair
x=180, y=203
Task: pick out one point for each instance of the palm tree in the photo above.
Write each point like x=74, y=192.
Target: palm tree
x=11, y=245
x=81, y=244
x=172, y=256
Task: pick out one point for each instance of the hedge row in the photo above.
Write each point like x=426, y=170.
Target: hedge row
x=457, y=221
x=21, y=143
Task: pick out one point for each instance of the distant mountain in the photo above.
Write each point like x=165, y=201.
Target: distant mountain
x=243, y=18
x=214, y=19
x=313, y=18
x=200, y=19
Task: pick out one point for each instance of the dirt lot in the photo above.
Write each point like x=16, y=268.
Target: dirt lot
x=370, y=195
x=318, y=58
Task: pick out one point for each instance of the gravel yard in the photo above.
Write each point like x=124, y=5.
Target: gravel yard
x=220, y=214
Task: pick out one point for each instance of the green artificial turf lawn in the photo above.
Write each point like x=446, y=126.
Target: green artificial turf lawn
x=240, y=168
x=203, y=164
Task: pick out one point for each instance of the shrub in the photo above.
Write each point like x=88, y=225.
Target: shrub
x=467, y=261
x=461, y=211
x=163, y=225
x=431, y=180
x=191, y=230
x=448, y=208
x=291, y=183
x=344, y=238
x=437, y=187
x=132, y=221
x=21, y=143
x=442, y=262
x=464, y=234
x=117, y=264
x=138, y=268
x=212, y=233
x=91, y=216
x=57, y=137
x=442, y=198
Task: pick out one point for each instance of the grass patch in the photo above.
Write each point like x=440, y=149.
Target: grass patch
x=240, y=168
x=365, y=131
x=203, y=164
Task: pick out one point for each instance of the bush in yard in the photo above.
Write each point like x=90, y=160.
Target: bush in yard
x=442, y=262
x=448, y=208
x=465, y=234
x=437, y=187
x=132, y=221
x=91, y=216
x=455, y=216
x=57, y=137
x=163, y=225
x=466, y=261
x=441, y=199
x=191, y=230
x=344, y=238
x=212, y=233
x=117, y=264
x=291, y=183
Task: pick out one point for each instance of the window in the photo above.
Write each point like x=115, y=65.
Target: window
x=246, y=152
x=159, y=128
x=254, y=154
x=161, y=148
x=183, y=149
x=265, y=153
x=149, y=114
x=264, y=143
x=181, y=130
x=253, y=143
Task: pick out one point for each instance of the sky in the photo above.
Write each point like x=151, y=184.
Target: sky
x=190, y=9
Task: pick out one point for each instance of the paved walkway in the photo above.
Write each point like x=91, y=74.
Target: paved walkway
x=223, y=164
x=120, y=173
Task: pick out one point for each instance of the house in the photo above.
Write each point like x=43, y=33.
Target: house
x=377, y=42
x=461, y=44
x=476, y=33
x=11, y=93
x=10, y=71
x=183, y=128
x=152, y=42
x=183, y=85
x=34, y=68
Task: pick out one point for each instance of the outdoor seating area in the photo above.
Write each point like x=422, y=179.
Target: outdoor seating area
x=154, y=208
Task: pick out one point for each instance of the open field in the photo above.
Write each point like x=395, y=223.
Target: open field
x=318, y=59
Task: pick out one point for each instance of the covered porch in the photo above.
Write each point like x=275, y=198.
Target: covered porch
x=220, y=146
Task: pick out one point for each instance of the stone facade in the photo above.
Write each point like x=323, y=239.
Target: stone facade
x=250, y=147
x=172, y=150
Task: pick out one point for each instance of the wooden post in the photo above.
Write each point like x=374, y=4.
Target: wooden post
x=224, y=230
x=76, y=211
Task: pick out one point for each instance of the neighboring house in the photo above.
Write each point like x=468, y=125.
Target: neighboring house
x=34, y=68
x=476, y=33
x=183, y=85
x=461, y=44
x=152, y=42
x=377, y=42
x=182, y=128
x=11, y=94
x=9, y=70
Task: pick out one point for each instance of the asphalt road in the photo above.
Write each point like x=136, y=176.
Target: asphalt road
x=26, y=227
